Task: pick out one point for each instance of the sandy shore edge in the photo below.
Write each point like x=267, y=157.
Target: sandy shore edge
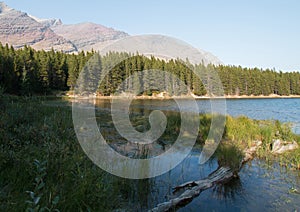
x=273, y=96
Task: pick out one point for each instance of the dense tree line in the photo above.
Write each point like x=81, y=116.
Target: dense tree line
x=27, y=71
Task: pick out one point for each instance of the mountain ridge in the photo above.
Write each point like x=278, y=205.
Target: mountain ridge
x=18, y=29
x=87, y=35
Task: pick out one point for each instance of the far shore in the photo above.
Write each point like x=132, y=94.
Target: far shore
x=159, y=97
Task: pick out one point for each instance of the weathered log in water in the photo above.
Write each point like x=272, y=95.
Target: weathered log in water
x=194, y=188
x=221, y=175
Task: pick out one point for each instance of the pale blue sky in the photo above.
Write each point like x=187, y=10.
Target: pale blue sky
x=257, y=33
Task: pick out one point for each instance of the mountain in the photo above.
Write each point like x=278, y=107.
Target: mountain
x=47, y=22
x=87, y=36
x=168, y=48
x=210, y=58
x=19, y=29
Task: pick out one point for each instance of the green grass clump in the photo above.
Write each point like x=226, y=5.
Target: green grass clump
x=242, y=130
x=240, y=133
x=245, y=130
x=229, y=154
x=291, y=159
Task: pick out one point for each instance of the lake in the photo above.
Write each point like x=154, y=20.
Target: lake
x=284, y=110
x=261, y=185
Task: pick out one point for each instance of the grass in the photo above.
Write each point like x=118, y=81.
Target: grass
x=229, y=154
x=42, y=166
x=240, y=133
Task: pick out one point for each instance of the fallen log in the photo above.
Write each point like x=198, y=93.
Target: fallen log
x=215, y=176
x=194, y=188
x=222, y=174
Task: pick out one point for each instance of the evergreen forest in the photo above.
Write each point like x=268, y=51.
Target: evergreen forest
x=28, y=72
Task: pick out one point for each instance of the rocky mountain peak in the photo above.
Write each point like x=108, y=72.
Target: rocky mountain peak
x=87, y=35
x=4, y=8
x=18, y=29
x=47, y=22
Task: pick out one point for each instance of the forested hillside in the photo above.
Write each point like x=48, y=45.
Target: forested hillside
x=27, y=71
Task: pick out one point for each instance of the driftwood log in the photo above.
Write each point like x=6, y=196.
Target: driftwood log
x=221, y=175
x=194, y=188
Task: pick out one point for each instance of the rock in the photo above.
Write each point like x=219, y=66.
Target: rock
x=279, y=147
x=276, y=144
x=249, y=152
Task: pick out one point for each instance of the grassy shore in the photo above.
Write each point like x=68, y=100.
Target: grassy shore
x=42, y=166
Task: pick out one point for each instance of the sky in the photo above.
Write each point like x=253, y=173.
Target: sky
x=256, y=33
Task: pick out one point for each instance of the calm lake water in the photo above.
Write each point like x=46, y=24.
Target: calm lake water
x=284, y=110
x=261, y=185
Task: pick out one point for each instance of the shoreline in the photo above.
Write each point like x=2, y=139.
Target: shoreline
x=263, y=97
x=183, y=97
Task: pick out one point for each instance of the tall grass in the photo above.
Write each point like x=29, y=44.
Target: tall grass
x=229, y=154
x=242, y=131
x=64, y=178
x=42, y=166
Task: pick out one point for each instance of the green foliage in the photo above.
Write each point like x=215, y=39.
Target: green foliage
x=242, y=130
x=61, y=177
x=205, y=122
x=291, y=159
x=39, y=188
x=27, y=71
x=229, y=154
x=284, y=131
